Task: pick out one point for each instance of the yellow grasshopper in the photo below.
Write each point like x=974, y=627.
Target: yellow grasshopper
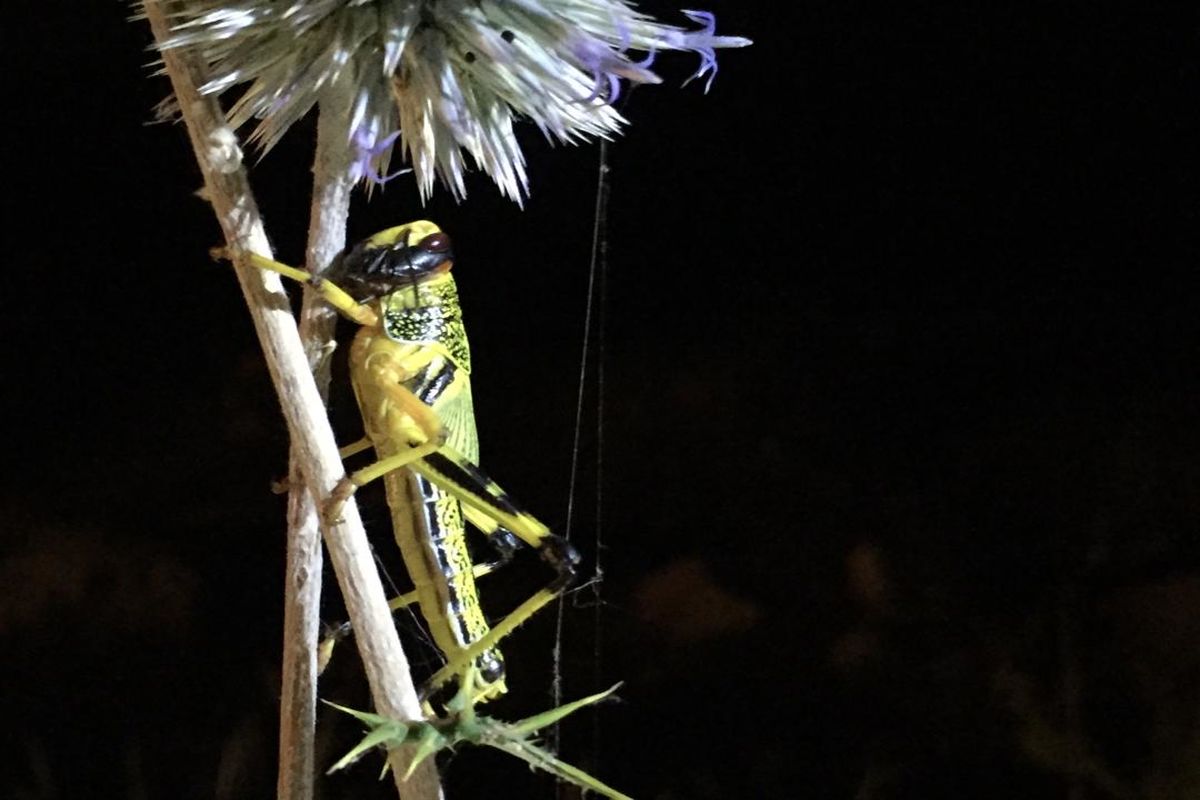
x=410, y=365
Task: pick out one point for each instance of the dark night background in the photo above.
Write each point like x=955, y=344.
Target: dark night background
x=901, y=462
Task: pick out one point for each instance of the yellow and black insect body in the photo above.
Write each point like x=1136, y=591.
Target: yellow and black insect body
x=410, y=365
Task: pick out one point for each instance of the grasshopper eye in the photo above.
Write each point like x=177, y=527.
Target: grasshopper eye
x=435, y=243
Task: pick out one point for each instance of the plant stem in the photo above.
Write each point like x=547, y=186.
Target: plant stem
x=227, y=188
x=302, y=582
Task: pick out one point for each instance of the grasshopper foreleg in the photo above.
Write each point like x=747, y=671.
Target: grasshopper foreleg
x=348, y=485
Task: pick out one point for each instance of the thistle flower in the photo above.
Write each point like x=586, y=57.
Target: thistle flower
x=444, y=78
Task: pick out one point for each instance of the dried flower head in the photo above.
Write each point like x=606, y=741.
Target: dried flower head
x=445, y=77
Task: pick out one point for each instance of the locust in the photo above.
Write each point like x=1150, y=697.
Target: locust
x=410, y=366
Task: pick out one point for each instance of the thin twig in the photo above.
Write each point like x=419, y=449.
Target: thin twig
x=228, y=190
x=301, y=630
x=302, y=584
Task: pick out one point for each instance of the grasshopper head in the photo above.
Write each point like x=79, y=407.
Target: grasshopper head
x=406, y=255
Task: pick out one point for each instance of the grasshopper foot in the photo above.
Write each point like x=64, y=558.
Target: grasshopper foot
x=344, y=490
x=558, y=553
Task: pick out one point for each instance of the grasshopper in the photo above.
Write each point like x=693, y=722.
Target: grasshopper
x=410, y=365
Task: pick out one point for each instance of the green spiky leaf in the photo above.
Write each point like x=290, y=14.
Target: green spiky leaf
x=463, y=725
x=533, y=724
x=375, y=738
x=429, y=742
x=374, y=720
x=381, y=732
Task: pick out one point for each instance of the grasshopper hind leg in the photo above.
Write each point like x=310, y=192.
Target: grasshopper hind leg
x=556, y=551
x=504, y=542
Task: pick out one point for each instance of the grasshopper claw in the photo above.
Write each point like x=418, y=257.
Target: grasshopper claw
x=344, y=490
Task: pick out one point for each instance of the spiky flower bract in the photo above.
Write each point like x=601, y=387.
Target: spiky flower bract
x=445, y=77
x=463, y=725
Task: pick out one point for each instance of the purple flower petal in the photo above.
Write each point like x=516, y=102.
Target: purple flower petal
x=366, y=152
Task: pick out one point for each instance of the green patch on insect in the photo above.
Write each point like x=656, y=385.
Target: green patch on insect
x=461, y=725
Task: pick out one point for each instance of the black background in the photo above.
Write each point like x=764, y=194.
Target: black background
x=900, y=476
